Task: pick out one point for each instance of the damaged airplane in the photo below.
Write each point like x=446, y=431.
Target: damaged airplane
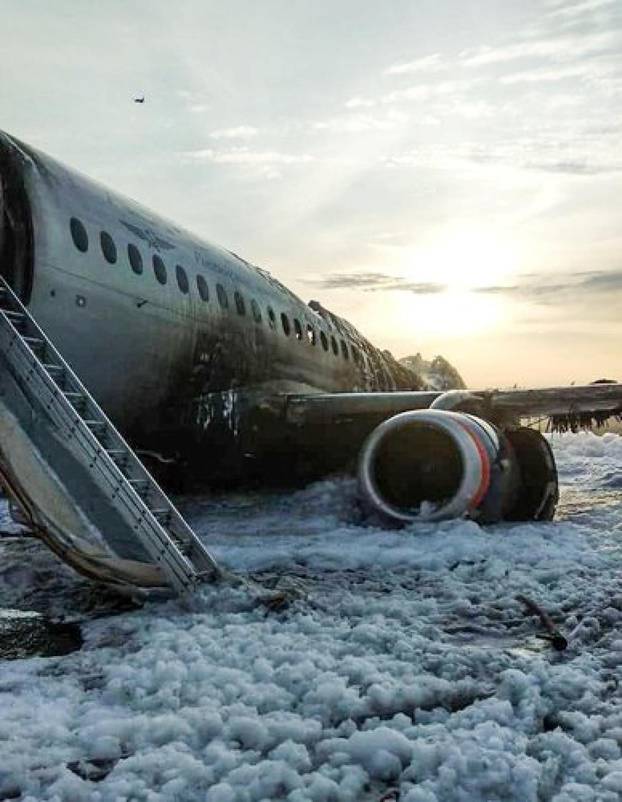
x=119, y=327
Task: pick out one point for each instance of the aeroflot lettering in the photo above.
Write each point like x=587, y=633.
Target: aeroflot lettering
x=210, y=264
x=154, y=240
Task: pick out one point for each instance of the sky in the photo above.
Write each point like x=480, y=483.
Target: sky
x=446, y=174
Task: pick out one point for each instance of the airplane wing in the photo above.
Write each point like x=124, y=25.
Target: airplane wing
x=432, y=465
x=568, y=407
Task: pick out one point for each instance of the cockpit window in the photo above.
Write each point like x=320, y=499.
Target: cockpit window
x=311, y=334
x=324, y=340
x=159, y=268
x=271, y=318
x=182, y=279
x=333, y=345
x=297, y=329
x=285, y=324
x=78, y=235
x=109, y=249
x=344, y=350
x=136, y=260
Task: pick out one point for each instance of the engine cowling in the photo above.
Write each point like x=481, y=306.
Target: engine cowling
x=433, y=464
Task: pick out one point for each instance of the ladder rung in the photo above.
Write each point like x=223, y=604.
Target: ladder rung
x=160, y=512
x=116, y=453
x=52, y=368
x=34, y=342
x=70, y=395
x=161, y=515
x=14, y=317
x=138, y=483
x=204, y=575
x=95, y=424
x=185, y=548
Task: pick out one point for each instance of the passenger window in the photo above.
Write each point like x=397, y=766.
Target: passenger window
x=311, y=334
x=344, y=350
x=271, y=318
x=202, y=288
x=239, y=303
x=182, y=279
x=109, y=249
x=78, y=235
x=333, y=345
x=256, y=311
x=135, y=259
x=324, y=340
x=285, y=323
x=223, y=300
x=159, y=268
x=297, y=329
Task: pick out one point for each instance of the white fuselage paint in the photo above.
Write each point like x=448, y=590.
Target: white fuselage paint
x=137, y=343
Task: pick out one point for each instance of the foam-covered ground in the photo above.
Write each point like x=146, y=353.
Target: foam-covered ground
x=410, y=671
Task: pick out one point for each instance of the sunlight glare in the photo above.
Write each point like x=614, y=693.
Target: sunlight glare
x=452, y=314
x=463, y=259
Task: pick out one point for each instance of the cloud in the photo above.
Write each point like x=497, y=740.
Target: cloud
x=550, y=74
x=580, y=156
x=357, y=123
x=560, y=48
x=575, y=167
x=418, y=288
x=243, y=155
x=360, y=103
x=376, y=282
x=572, y=287
x=585, y=7
x=425, y=64
x=429, y=90
x=496, y=289
x=239, y=132
x=605, y=281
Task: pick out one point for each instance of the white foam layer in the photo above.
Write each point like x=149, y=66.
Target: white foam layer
x=411, y=664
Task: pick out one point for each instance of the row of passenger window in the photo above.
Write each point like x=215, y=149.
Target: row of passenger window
x=109, y=251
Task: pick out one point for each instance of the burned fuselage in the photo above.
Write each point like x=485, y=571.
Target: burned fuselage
x=176, y=338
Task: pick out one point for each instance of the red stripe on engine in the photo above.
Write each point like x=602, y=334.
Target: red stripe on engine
x=484, y=484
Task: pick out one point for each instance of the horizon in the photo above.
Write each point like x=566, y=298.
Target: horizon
x=441, y=175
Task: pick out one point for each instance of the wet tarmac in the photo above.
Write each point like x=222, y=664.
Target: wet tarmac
x=29, y=634
x=43, y=603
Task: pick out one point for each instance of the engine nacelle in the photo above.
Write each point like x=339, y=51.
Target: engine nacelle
x=433, y=464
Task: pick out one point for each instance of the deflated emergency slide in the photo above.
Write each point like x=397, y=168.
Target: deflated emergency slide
x=58, y=496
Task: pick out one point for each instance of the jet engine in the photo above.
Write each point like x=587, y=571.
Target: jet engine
x=434, y=464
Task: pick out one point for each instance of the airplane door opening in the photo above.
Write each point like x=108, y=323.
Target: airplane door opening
x=16, y=247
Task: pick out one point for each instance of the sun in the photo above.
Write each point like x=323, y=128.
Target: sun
x=454, y=314
x=457, y=262
x=463, y=258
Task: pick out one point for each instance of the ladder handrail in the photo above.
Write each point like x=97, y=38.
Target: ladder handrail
x=159, y=543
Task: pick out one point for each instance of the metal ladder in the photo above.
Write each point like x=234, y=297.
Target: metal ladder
x=157, y=524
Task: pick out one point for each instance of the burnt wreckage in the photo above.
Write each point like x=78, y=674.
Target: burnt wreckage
x=131, y=347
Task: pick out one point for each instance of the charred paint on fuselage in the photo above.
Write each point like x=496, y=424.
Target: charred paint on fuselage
x=167, y=365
